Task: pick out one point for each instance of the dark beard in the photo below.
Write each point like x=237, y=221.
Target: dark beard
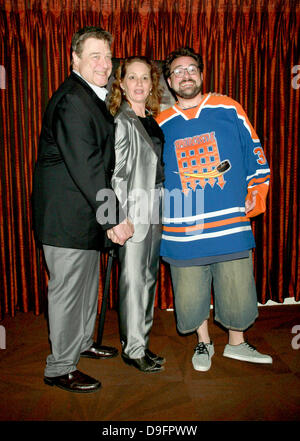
x=189, y=94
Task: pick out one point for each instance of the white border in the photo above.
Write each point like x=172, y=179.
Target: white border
x=287, y=301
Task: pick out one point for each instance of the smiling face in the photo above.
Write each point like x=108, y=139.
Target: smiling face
x=94, y=63
x=189, y=85
x=137, y=83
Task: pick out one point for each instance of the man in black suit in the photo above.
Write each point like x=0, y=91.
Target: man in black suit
x=75, y=163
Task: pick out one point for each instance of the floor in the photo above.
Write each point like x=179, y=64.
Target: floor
x=229, y=391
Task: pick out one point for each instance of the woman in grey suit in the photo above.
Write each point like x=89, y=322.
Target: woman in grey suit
x=137, y=181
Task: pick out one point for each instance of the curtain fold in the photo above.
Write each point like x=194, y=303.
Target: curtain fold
x=251, y=53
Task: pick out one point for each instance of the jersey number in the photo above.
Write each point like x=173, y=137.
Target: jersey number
x=261, y=156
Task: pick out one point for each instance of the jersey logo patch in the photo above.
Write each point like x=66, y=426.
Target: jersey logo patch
x=199, y=162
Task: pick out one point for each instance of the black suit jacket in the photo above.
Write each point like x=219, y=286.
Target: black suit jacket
x=75, y=161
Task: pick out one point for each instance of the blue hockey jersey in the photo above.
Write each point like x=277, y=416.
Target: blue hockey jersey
x=213, y=162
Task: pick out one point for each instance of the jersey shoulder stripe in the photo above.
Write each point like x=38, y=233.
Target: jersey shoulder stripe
x=166, y=115
x=228, y=103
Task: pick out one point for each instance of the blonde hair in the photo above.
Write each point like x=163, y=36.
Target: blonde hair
x=153, y=100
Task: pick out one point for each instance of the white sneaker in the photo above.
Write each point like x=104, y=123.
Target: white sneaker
x=246, y=352
x=202, y=357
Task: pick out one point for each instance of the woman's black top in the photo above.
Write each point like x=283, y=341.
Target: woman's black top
x=157, y=137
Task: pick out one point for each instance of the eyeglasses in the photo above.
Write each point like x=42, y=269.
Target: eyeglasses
x=192, y=69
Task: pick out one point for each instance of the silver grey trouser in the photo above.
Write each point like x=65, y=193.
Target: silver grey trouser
x=139, y=263
x=72, y=305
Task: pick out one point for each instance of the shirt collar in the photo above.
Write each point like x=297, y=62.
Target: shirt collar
x=101, y=92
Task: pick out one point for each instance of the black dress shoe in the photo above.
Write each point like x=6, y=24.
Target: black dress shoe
x=75, y=381
x=143, y=364
x=154, y=357
x=100, y=352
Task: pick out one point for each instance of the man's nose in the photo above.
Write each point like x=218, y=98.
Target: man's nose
x=103, y=62
x=186, y=73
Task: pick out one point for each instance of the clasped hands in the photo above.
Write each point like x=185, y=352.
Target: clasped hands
x=121, y=232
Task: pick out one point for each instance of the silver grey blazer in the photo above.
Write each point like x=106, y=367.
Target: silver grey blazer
x=135, y=170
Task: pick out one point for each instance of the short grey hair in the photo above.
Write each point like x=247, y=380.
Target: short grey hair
x=83, y=34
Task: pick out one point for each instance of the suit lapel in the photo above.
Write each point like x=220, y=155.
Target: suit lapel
x=98, y=102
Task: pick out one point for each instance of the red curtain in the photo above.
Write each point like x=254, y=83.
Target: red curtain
x=251, y=53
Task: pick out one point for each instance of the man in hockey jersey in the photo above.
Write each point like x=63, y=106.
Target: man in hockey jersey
x=216, y=179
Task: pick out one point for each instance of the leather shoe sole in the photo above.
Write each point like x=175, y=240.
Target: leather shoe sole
x=100, y=352
x=154, y=357
x=143, y=364
x=75, y=381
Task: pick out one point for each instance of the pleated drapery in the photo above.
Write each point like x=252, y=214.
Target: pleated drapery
x=251, y=53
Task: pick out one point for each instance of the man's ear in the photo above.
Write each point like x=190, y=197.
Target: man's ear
x=75, y=59
x=169, y=82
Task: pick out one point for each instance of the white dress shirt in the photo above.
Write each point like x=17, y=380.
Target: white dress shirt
x=101, y=92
